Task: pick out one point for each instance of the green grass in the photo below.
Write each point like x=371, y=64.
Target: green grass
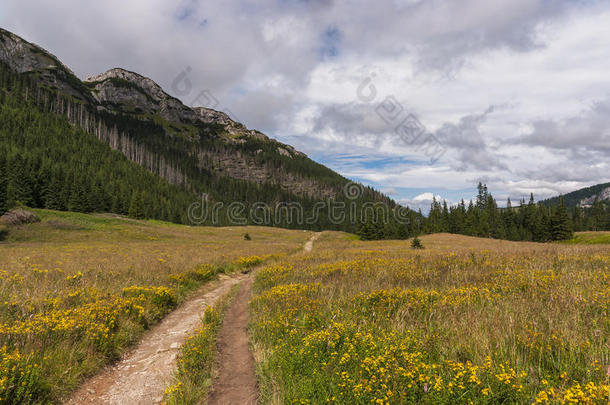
x=590, y=238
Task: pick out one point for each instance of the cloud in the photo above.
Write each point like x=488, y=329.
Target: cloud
x=293, y=68
x=587, y=133
x=421, y=202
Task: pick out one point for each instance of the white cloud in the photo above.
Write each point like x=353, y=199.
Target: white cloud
x=541, y=65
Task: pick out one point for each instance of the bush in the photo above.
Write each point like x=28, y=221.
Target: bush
x=3, y=232
x=21, y=380
x=247, y=237
x=416, y=243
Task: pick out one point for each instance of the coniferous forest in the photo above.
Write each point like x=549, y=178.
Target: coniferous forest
x=527, y=221
x=48, y=162
x=45, y=162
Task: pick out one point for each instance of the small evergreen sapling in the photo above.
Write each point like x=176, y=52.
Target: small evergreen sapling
x=416, y=243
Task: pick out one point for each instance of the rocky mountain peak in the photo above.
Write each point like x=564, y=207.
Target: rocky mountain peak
x=120, y=90
x=151, y=88
x=603, y=195
x=25, y=57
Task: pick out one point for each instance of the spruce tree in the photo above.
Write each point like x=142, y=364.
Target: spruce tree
x=561, y=224
x=19, y=185
x=53, y=196
x=136, y=208
x=79, y=197
x=3, y=181
x=597, y=216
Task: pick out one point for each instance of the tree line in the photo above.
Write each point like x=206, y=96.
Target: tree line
x=48, y=161
x=483, y=218
x=527, y=221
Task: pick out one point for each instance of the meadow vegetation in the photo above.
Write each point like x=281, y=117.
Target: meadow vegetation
x=196, y=362
x=76, y=290
x=466, y=320
x=590, y=238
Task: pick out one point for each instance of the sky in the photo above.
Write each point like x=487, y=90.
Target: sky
x=418, y=98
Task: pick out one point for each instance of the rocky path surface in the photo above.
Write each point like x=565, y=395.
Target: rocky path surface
x=146, y=371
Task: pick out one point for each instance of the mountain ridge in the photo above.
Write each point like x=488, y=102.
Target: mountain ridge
x=584, y=197
x=203, y=151
x=122, y=92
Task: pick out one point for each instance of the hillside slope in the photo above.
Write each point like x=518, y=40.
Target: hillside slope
x=130, y=111
x=200, y=150
x=585, y=197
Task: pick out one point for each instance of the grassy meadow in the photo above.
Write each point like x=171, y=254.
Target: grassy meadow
x=465, y=320
x=76, y=290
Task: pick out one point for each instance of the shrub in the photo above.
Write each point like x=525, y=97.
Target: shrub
x=416, y=243
x=21, y=381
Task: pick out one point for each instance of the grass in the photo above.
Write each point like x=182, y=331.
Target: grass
x=590, y=238
x=466, y=320
x=193, y=378
x=77, y=290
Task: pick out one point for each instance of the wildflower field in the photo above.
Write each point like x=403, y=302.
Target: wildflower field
x=76, y=290
x=465, y=320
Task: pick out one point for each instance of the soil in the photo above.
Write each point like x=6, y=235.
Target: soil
x=142, y=375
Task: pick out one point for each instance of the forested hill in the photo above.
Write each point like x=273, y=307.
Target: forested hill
x=184, y=145
x=117, y=142
x=585, y=197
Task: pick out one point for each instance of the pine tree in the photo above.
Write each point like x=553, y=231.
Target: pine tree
x=368, y=231
x=445, y=221
x=542, y=227
x=79, y=197
x=470, y=221
x=136, y=208
x=53, y=196
x=561, y=224
x=19, y=185
x=597, y=215
x=3, y=181
x=416, y=243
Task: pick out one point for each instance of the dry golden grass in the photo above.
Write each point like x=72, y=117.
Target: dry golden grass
x=464, y=320
x=76, y=290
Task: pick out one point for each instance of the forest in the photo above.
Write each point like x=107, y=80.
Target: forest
x=47, y=160
x=537, y=222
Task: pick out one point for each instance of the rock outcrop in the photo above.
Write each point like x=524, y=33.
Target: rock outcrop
x=24, y=57
x=18, y=216
x=121, y=92
x=604, y=195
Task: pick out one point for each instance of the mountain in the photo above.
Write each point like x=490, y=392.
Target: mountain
x=584, y=197
x=199, y=150
x=216, y=142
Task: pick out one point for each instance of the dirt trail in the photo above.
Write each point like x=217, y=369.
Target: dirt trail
x=236, y=381
x=146, y=371
x=309, y=244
